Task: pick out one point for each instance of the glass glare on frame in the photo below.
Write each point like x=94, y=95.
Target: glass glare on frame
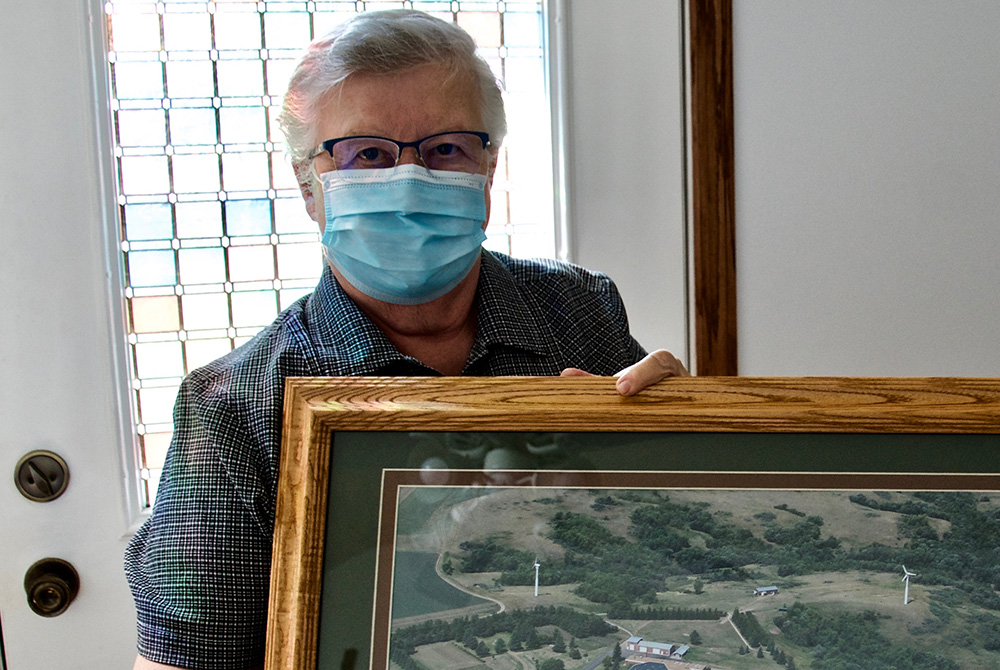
x=215, y=239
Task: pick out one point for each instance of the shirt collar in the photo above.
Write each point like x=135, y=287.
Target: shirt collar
x=346, y=340
x=505, y=316
x=348, y=343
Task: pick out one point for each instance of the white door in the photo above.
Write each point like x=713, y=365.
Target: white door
x=60, y=323
x=64, y=381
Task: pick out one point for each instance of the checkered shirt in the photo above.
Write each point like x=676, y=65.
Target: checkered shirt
x=199, y=567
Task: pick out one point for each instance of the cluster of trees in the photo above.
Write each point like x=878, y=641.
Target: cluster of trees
x=760, y=639
x=614, y=660
x=603, y=503
x=848, y=640
x=751, y=629
x=651, y=613
x=493, y=556
x=911, y=507
x=791, y=510
x=522, y=626
x=607, y=568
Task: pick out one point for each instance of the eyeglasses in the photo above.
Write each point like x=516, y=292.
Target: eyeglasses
x=458, y=151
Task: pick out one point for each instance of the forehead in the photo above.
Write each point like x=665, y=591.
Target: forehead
x=405, y=106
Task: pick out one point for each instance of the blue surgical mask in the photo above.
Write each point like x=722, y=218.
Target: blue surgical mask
x=406, y=234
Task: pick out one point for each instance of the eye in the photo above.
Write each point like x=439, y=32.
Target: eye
x=370, y=154
x=446, y=149
x=363, y=153
x=371, y=157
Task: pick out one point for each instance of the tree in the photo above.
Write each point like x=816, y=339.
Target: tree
x=499, y=647
x=699, y=586
x=760, y=652
x=482, y=650
x=616, y=658
x=695, y=637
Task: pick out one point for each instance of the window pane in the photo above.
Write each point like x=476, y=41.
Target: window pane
x=237, y=30
x=186, y=32
x=151, y=268
x=254, y=263
x=138, y=128
x=254, y=308
x=138, y=80
x=240, y=78
x=196, y=173
x=248, y=217
x=190, y=79
x=159, y=359
x=246, y=171
x=198, y=219
x=203, y=352
x=242, y=125
x=157, y=314
x=202, y=266
x=205, y=311
x=148, y=222
x=216, y=237
x=192, y=126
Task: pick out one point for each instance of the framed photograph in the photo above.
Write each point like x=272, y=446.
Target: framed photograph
x=546, y=522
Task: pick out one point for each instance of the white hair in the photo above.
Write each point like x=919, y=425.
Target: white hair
x=383, y=42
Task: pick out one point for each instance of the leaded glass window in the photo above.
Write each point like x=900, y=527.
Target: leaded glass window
x=214, y=235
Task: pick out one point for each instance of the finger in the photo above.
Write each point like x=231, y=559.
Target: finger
x=575, y=372
x=655, y=367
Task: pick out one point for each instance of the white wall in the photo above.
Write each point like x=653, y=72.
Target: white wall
x=624, y=134
x=868, y=187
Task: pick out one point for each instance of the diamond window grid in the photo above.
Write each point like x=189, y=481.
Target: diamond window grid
x=214, y=236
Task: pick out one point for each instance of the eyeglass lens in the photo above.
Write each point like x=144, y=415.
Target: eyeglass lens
x=456, y=152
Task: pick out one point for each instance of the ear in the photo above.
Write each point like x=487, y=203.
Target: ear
x=304, y=176
x=494, y=157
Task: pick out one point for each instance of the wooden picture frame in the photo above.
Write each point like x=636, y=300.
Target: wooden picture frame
x=936, y=412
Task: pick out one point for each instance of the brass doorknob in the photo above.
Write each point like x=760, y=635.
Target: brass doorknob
x=51, y=585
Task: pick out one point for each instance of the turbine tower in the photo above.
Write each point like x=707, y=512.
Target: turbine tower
x=906, y=578
x=537, y=565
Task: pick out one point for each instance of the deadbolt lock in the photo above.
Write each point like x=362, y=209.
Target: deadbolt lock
x=41, y=476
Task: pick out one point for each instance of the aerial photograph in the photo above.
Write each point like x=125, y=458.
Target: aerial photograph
x=568, y=578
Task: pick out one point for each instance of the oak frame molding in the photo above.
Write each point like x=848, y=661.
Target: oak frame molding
x=317, y=407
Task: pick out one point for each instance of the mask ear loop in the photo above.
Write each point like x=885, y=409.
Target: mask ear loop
x=316, y=183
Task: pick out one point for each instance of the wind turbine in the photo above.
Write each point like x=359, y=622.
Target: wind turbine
x=906, y=578
x=537, y=565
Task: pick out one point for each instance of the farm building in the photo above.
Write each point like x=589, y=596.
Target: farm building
x=636, y=645
x=765, y=590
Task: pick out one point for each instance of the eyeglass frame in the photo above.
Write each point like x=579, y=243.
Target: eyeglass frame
x=326, y=146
